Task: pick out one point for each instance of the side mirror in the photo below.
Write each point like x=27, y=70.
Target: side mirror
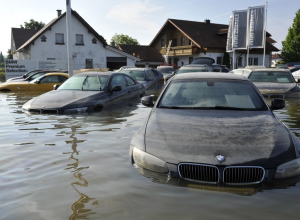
x=277, y=104
x=150, y=79
x=55, y=87
x=38, y=81
x=297, y=80
x=147, y=101
x=116, y=89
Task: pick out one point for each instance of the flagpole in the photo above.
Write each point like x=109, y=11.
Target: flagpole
x=265, y=35
x=247, y=43
x=69, y=37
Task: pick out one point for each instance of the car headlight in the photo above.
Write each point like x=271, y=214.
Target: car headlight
x=75, y=110
x=289, y=169
x=149, y=161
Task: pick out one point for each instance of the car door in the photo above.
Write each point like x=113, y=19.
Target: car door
x=151, y=84
x=46, y=83
x=159, y=78
x=119, y=96
x=134, y=89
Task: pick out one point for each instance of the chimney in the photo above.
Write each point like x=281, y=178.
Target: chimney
x=207, y=21
x=58, y=13
x=113, y=44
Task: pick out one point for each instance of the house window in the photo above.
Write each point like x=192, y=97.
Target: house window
x=79, y=39
x=219, y=60
x=190, y=42
x=43, y=38
x=162, y=42
x=59, y=39
x=50, y=58
x=240, y=61
x=255, y=61
x=190, y=60
x=183, y=41
x=174, y=43
x=250, y=61
x=94, y=41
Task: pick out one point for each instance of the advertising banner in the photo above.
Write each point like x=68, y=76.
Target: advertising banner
x=256, y=23
x=239, y=37
x=15, y=68
x=229, y=35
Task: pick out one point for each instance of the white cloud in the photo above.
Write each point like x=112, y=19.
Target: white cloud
x=136, y=13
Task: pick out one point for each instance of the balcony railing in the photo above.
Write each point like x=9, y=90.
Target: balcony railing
x=181, y=50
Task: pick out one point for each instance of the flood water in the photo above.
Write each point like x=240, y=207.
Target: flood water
x=77, y=167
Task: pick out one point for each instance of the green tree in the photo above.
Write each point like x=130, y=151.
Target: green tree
x=32, y=24
x=291, y=46
x=1, y=57
x=124, y=39
x=9, y=55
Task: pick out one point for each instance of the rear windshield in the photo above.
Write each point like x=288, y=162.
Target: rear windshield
x=138, y=75
x=271, y=76
x=85, y=83
x=212, y=95
x=166, y=70
x=190, y=69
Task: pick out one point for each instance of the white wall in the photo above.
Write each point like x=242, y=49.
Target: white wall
x=49, y=50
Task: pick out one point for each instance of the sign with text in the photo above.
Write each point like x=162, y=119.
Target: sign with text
x=239, y=38
x=256, y=19
x=15, y=68
x=229, y=36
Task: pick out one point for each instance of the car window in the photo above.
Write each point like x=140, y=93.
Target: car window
x=154, y=72
x=50, y=79
x=138, y=75
x=150, y=74
x=212, y=94
x=190, y=69
x=130, y=82
x=166, y=70
x=118, y=81
x=216, y=69
x=271, y=76
x=91, y=83
x=37, y=75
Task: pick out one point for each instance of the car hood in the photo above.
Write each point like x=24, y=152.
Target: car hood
x=197, y=136
x=278, y=88
x=60, y=98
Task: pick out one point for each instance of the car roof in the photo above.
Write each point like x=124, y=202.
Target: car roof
x=194, y=65
x=137, y=68
x=57, y=73
x=107, y=73
x=209, y=75
x=272, y=70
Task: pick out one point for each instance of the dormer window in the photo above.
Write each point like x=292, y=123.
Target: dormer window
x=94, y=41
x=43, y=38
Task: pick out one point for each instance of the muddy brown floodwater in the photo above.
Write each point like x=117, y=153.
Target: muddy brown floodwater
x=77, y=167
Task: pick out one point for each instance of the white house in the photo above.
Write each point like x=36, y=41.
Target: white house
x=90, y=50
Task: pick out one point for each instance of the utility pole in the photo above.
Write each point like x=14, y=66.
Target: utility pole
x=69, y=37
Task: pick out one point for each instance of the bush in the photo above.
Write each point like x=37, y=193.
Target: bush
x=2, y=76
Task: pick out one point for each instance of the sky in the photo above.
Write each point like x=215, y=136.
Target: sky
x=141, y=19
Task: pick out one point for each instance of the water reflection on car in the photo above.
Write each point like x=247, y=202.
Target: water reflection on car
x=87, y=92
x=215, y=129
x=275, y=83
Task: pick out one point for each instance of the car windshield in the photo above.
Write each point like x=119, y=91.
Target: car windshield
x=212, y=94
x=29, y=74
x=138, y=75
x=167, y=70
x=85, y=83
x=192, y=69
x=271, y=76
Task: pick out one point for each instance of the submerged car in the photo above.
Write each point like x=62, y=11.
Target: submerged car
x=275, y=83
x=87, y=92
x=217, y=129
x=43, y=83
x=33, y=74
x=152, y=79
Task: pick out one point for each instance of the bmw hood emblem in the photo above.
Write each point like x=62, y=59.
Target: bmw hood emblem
x=220, y=158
